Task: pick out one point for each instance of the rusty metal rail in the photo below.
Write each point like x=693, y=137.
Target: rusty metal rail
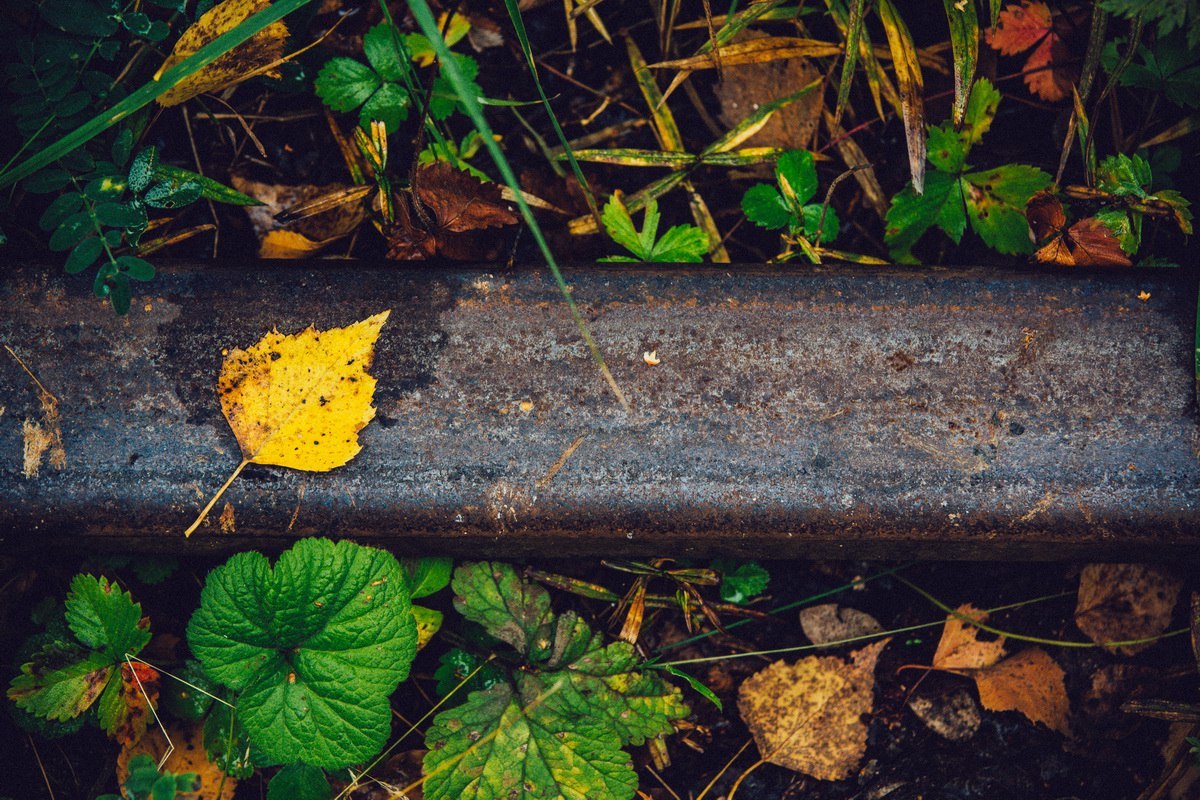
x=833, y=412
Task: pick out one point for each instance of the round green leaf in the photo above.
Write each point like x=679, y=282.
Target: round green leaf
x=120, y=215
x=62, y=207
x=141, y=171
x=71, y=231
x=84, y=255
x=315, y=645
x=137, y=269
x=168, y=195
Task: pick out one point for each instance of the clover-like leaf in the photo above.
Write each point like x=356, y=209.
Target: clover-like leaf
x=315, y=645
x=765, y=207
x=344, y=84
x=555, y=729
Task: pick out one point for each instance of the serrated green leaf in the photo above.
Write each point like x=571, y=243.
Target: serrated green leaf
x=811, y=216
x=558, y=731
x=427, y=575
x=104, y=617
x=444, y=100
x=1124, y=175
x=681, y=244
x=514, y=611
x=382, y=53
x=796, y=173
x=996, y=201
x=62, y=692
x=765, y=207
x=299, y=782
x=911, y=215
x=456, y=666
x=389, y=105
x=344, y=84
x=1181, y=207
x=946, y=150
x=315, y=645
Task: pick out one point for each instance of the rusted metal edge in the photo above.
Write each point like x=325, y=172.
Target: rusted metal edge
x=830, y=412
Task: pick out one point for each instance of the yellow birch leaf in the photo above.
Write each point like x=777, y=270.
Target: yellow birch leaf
x=299, y=401
x=256, y=56
x=960, y=648
x=1030, y=682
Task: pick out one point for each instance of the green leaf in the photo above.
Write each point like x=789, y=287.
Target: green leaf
x=620, y=226
x=996, y=201
x=427, y=575
x=228, y=745
x=1124, y=175
x=209, y=189
x=743, y=581
x=456, y=666
x=911, y=215
x=682, y=244
x=797, y=175
x=557, y=730
x=60, y=692
x=344, y=84
x=981, y=110
x=84, y=255
x=314, y=645
x=71, y=231
x=697, y=686
x=105, y=618
x=947, y=151
x=47, y=180
x=1117, y=220
x=299, y=782
x=141, y=171
x=185, y=696
x=444, y=99
x=145, y=782
x=57, y=212
x=382, y=52
x=812, y=220
x=765, y=207
x=120, y=215
x=389, y=105
x=137, y=269
x=81, y=18
x=166, y=194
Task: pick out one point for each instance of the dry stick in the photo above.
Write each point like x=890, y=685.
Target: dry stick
x=215, y=498
x=38, y=756
x=170, y=745
x=212, y=209
x=724, y=769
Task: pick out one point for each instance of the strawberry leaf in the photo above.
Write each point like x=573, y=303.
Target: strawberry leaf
x=765, y=207
x=104, y=617
x=557, y=726
x=314, y=645
x=344, y=84
x=682, y=244
x=797, y=176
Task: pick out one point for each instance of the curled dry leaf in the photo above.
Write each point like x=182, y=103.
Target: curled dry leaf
x=189, y=755
x=1119, y=602
x=1031, y=25
x=830, y=622
x=254, y=57
x=299, y=401
x=808, y=716
x=447, y=214
x=304, y=236
x=960, y=647
x=1030, y=682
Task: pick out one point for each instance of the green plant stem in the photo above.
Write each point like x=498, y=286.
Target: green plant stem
x=425, y=19
x=152, y=89
x=851, y=640
x=1020, y=637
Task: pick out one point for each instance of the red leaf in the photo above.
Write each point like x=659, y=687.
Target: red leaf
x=138, y=697
x=1031, y=25
x=1087, y=243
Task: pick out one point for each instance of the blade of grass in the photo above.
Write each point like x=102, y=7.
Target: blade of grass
x=514, y=14
x=147, y=93
x=754, y=51
x=1091, y=63
x=732, y=27
x=425, y=20
x=912, y=88
x=964, y=41
x=854, y=28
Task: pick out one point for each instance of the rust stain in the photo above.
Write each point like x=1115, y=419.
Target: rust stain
x=1040, y=507
x=959, y=461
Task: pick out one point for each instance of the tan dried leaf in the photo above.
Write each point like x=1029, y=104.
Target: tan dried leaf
x=808, y=716
x=253, y=57
x=305, y=236
x=742, y=89
x=1030, y=682
x=1119, y=602
x=189, y=755
x=960, y=647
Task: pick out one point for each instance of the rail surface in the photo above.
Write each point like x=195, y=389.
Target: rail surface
x=832, y=412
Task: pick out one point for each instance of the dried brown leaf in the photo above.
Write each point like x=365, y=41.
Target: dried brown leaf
x=960, y=647
x=448, y=214
x=1119, y=602
x=1030, y=682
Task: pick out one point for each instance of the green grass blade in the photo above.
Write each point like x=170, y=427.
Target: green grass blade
x=514, y=14
x=425, y=20
x=634, y=157
x=152, y=89
x=964, y=41
x=850, y=58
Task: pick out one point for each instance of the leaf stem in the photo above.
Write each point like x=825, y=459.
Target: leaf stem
x=215, y=498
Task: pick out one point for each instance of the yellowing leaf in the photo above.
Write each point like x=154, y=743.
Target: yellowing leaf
x=1030, y=682
x=808, y=716
x=429, y=622
x=254, y=57
x=299, y=401
x=188, y=755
